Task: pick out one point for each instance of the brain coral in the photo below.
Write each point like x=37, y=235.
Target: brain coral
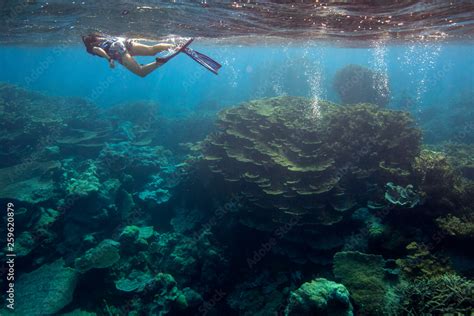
x=291, y=162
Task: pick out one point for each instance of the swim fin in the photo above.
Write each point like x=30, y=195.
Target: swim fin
x=205, y=61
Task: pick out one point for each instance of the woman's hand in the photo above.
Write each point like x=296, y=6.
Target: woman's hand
x=111, y=63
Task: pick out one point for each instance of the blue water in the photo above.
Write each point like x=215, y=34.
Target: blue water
x=431, y=73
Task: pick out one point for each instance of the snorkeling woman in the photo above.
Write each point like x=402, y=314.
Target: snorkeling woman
x=123, y=49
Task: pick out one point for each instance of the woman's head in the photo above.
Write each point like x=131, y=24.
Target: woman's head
x=91, y=41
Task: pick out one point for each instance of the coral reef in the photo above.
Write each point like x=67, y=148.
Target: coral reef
x=279, y=136
x=247, y=222
x=357, y=84
x=319, y=297
x=33, y=123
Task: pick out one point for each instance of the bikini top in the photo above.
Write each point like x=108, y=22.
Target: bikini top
x=107, y=42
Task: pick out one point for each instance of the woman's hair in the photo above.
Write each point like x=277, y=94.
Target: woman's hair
x=91, y=41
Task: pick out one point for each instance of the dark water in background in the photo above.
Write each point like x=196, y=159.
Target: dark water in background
x=82, y=160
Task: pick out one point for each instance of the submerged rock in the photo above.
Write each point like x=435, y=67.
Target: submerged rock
x=319, y=297
x=46, y=290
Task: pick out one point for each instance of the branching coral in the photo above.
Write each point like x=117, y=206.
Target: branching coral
x=444, y=294
x=455, y=226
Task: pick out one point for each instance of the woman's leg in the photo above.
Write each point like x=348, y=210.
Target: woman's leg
x=138, y=49
x=140, y=70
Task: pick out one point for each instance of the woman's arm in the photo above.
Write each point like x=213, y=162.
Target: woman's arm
x=100, y=52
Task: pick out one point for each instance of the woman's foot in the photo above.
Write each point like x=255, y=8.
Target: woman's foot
x=177, y=49
x=185, y=42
